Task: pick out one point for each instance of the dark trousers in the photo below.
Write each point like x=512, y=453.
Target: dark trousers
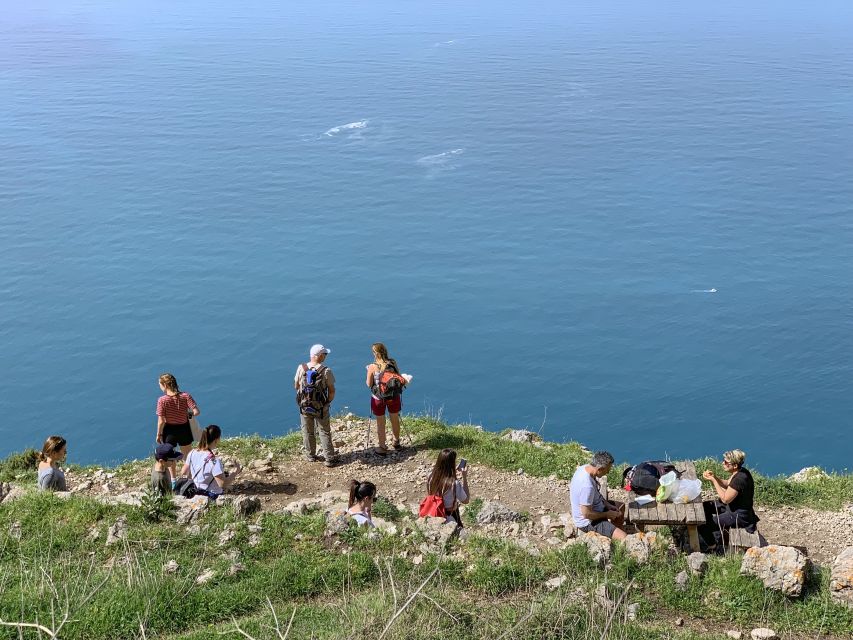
x=719, y=518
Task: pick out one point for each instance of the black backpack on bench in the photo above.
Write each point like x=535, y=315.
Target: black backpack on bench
x=644, y=478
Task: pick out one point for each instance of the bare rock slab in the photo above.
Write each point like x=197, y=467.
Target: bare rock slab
x=841, y=578
x=780, y=568
x=493, y=511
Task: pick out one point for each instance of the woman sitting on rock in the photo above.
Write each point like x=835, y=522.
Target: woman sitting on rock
x=205, y=468
x=50, y=476
x=361, y=497
x=443, y=481
x=734, y=506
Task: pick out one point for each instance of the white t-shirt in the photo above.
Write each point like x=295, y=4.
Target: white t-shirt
x=361, y=519
x=204, y=466
x=583, y=490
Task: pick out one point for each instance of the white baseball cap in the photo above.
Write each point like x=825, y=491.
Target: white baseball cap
x=317, y=349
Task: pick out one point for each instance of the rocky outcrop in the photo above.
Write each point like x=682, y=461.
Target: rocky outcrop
x=189, y=510
x=780, y=568
x=808, y=473
x=640, y=546
x=436, y=530
x=244, y=506
x=521, y=435
x=841, y=578
x=493, y=512
x=10, y=492
x=322, y=501
x=600, y=547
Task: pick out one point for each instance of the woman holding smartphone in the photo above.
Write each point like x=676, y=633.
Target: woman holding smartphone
x=450, y=481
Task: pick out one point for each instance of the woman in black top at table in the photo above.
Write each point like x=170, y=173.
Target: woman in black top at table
x=734, y=506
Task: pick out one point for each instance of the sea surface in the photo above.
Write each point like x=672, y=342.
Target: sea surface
x=624, y=223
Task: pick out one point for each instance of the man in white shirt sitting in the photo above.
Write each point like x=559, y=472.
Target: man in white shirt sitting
x=590, y=511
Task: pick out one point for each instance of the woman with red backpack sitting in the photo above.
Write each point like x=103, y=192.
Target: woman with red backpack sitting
x=386, y=385
x=445, y=491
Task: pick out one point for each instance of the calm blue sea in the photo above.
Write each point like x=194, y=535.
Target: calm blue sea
x=530, y=203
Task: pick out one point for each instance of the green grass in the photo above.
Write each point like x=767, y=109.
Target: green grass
x=483, y=447
x=490, y=585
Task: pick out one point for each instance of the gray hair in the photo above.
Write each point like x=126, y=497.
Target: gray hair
x=601, y=459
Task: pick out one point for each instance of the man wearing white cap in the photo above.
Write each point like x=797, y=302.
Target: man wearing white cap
x=315, y=389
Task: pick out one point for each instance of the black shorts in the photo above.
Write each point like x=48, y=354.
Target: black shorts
x=178, y=434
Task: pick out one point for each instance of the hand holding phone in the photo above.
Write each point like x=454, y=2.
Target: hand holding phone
x=463, y=463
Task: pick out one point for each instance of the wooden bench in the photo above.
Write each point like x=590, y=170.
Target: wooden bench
x=691, y=514
x=742, y=539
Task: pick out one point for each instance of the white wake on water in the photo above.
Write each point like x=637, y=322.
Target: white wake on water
x=360, y=124
x=703, y=291
x=440, y=159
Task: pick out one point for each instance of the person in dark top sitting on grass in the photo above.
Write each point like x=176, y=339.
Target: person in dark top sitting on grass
x=734, y=508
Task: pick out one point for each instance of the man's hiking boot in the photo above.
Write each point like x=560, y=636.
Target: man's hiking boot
x=397, y=446
x=380, y=451
x=332, y=461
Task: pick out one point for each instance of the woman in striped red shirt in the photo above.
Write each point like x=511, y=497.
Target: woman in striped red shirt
x=173, y=411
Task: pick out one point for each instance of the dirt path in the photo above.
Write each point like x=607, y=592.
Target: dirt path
x=401, y=476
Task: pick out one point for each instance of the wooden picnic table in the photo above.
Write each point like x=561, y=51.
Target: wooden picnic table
x=691, y=514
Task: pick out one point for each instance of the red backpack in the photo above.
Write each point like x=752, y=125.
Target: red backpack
x=432, y=507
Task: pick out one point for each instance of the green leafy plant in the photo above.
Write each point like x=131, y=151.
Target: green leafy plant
x=157, y=506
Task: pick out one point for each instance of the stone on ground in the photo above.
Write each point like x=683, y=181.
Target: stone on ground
x=555, y=583
x=493, y=511
x=780, y=568
x=681, y=581
x=598, y=546
x=190, y=509
x=639, y=546
x=763, y=633
x=841, y=578
x=245, y=506
x=205, y=577
x=698, y=563
x=734, y=635
x=336, y=523
x=117, y=531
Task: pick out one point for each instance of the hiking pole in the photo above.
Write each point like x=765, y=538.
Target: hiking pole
x=408, y=435
x=367, y=434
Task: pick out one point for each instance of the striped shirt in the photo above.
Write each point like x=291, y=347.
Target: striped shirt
x=174, y=409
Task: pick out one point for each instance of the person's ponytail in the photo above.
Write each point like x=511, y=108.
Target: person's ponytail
x=358, y=491
x=210, y=434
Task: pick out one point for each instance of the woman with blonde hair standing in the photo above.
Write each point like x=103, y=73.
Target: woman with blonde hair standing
x=174, y=408
x=386, y=386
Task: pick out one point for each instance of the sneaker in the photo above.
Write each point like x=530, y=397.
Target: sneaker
x=332, y=461
x=380, y=451
x=397, y=446
x=312, y=458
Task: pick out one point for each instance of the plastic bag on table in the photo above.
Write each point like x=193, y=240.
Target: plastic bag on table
x=668, y=486
x=688, y=491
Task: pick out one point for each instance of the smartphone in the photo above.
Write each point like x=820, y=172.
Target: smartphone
x=462, y=464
